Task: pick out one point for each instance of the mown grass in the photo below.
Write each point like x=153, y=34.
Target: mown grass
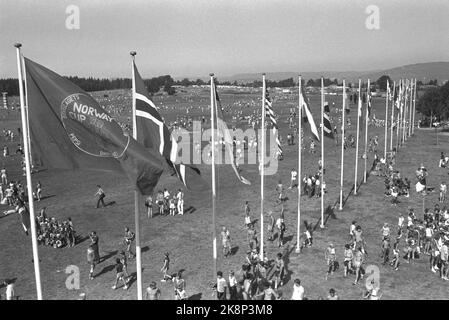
x=188, y=238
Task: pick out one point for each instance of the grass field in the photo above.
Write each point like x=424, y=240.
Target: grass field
x=188, y=238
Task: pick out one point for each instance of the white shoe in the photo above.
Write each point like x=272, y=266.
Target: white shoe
x=433, y=270
x=114, y=287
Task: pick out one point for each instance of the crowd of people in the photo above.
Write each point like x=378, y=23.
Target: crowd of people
x=54, y=233
x=166, y=203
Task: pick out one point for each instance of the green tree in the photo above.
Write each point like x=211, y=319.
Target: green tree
x=382, y=82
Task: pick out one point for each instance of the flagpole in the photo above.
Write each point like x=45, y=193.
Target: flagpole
x=399, y=115
x=392, y=117
x=322, y=153
x=410, y=109
x=386, y=120
x=298, y=229
x=404, y=120
x=342, y=144
x=212, y=115
x=262, y=169
x=414, y=106
x=25, y=135
x=136, y=194
x=28, y=119
x=366, y=129
x=359, y=114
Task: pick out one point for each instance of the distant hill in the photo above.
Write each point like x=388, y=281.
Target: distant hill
x=421, y=71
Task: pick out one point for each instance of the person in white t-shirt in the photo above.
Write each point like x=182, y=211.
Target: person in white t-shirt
x=180, y=202
x=10, y=295
x=298, y=290
x=221, y=286
x=4, y=176
x=293, y=179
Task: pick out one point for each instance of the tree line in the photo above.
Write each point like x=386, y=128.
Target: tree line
x=153, y=85
x=434, y=103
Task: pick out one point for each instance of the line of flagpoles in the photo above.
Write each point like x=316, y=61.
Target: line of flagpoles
x=404, y=129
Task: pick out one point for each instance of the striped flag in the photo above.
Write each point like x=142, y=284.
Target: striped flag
x=327, y=129
x=270, y=113
x=154, y=134
x=307, y=117
x=5, y=100
x=223, y=131
x=369, y=101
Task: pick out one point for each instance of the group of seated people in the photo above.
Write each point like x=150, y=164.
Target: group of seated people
x=396, y=186
x=51, y=232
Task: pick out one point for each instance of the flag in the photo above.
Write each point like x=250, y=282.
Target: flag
x=69, y=130
x=398, y=97
x=359, y=107
x=307, y=115
x=223, y=131
x=345, y=97
x=24, y=217
x=269, y=111
x=369, y=101
x=154, y=134
x=327, y=128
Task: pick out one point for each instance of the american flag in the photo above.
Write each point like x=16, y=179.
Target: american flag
x=270, y=113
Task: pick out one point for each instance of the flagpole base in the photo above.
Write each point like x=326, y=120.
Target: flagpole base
x=297, y=250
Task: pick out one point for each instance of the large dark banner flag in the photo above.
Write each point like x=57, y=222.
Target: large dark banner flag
x=154, y=134
x=69, y=130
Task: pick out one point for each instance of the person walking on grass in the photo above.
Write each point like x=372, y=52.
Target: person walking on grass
x=180, y=287
x=94, y=243
x=271, y=225
x=101, y=195
x=128, y=240
x=221, y=286
x=38, y=191
x=166, y=267
x=226, y=242
x=124, y=261
x=91, y=261
x=331, y=258
x=119, y=275
x=279, y=271
x=149, y=206
x=247, y=215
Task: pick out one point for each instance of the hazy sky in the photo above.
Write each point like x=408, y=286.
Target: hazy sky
x=195, y=37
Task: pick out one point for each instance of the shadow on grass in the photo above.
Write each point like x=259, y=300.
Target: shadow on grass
x=105, y=270
x=48, y=197
x=81, y=239
x=234, y=250
x=196, y=296
x=190, y=210
x=110, y=203
x=108, y=255
x=145, y=249
x=133, y=278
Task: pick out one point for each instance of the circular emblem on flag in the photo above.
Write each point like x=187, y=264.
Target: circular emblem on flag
x=88, y=126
